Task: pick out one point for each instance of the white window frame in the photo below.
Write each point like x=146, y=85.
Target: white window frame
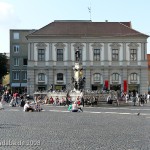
x=16, y=75
x=41, y=54
x=133, y=77
x=133, y=55
x=16, y=61
x=16, y=48
x=97, y=54
x=16, y=35
x=41, y=77
x=24, y=75
x=115, y=54
x=58, y=77
x=60, y=54
x=97, y=77
x=115, y=77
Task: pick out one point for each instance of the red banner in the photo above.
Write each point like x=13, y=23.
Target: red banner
x=106, y=83
x=125, y=85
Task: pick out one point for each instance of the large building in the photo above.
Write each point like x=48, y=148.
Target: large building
x=113, y=56
x=18, y=59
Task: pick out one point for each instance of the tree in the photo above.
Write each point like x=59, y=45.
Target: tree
x=3, y=66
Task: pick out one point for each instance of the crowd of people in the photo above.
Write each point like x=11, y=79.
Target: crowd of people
x=17, y=100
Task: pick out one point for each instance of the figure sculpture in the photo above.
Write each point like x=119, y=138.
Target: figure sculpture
x=77, y=54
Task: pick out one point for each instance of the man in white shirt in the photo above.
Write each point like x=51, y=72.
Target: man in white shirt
x=27, y=107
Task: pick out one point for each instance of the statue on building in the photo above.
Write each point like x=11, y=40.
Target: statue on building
x=77, y=54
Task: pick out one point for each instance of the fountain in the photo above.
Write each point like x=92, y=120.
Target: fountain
x=78, y=82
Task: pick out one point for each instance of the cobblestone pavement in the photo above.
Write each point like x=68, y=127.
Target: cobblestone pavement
x=98, y=128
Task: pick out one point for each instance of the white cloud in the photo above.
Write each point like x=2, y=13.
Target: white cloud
x=8, y=18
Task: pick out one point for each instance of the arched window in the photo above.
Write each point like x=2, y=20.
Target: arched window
x=59, y=77
x=133, y=77
x=115, y=77
x=41, y=77
x=97, y=77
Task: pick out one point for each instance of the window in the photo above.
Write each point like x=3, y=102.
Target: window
x=24, y=75
x=59, y=54
x=60, y=77
x=16, y=35
x=133, y=77
x=16, y=48
x=96, y=54
x=97, y=77
x=115, y=77
x=133, y=54
x=41, y=54
x=115, y=55
x=16, y=61
x=16, y=75
x=25, y=62
x=41, y=77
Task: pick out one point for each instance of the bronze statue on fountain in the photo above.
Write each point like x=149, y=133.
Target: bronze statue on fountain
x=78, y=80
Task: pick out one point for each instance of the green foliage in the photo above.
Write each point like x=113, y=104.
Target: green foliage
x=3, y=65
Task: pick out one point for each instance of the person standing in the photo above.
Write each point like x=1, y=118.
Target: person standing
x=1, y=102
x=82, y=98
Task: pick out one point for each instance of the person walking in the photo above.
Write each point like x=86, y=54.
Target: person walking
x=1, y=102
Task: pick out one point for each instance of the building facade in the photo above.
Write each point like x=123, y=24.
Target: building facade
x=113, y=56
x=148, y=60
x=18, y=60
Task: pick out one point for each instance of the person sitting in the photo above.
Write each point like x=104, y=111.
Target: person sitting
x=75, y=107
x=38, y=106
x=70, y=107
x=28, y=107
x=51, y=100
x=22, y=103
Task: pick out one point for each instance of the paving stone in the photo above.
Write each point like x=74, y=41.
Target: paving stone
x=59, y=130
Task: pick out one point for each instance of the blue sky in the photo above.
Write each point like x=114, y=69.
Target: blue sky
x=34, y=14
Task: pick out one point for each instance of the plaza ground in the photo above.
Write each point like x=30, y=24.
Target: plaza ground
x=55, y=128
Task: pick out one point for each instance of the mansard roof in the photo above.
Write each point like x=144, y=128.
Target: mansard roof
x=87, y=29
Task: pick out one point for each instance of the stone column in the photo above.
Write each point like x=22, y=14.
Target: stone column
x=87, y=52
x=124, y=51
x=29, y=51
x=142, y=51
x=32, y=52
x=69, y=51
x=106, y=63
x=50, y=51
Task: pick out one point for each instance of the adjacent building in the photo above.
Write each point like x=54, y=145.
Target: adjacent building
x=113, y=56
x=18, y=59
